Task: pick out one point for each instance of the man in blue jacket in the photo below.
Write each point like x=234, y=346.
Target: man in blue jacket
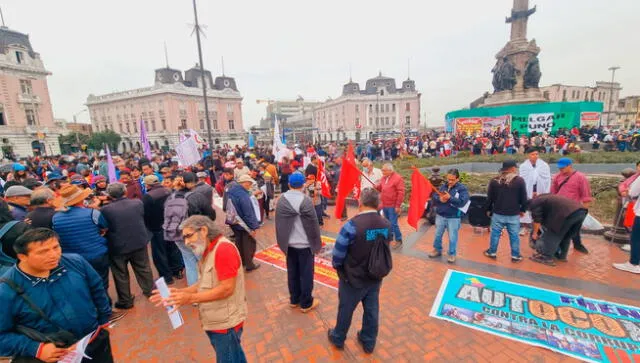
x=451, y=205
x=66, y=290
x=245, y=235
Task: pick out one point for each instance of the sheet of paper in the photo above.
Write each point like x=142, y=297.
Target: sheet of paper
x=175, y=317
x=77, y=355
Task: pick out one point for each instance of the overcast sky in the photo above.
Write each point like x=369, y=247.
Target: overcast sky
x=280, y=49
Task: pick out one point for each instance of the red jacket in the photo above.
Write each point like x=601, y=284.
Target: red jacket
x=391, y=191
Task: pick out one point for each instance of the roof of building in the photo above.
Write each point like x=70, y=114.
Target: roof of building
x=378, y=84
x=11, y=37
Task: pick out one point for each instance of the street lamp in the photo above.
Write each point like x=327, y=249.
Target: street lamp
x=613, y=74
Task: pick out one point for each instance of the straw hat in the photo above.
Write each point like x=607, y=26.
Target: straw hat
x=72, y=195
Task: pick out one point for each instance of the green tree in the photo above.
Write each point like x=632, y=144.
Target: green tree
x=109, y=137
x=72, y=142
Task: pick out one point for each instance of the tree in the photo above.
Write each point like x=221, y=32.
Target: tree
x=109, y=137
x=72, y=142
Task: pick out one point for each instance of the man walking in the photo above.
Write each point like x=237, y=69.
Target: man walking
x=298, y=236
x=166, y=255
x=537, y=178
x=574, y=185
x=128, y=238
x=247, y=220
x=67, y=290
x=351, y=259
x=507, y=202
x=219, y=292
x=391, y=188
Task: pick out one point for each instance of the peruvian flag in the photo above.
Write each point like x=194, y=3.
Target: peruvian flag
x=349, y=181
x=322, y=177
x=421, y=190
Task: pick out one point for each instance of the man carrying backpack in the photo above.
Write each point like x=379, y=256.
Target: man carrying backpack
x=184, y=203
x=362, y=257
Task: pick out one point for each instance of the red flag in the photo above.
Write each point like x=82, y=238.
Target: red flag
x=421, y=190
x=322, y=177
x=349, y=181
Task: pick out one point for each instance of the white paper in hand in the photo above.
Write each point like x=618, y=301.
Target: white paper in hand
x=76, y=355
x=175, y=317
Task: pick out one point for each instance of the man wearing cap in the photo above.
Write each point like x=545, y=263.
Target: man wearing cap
x=506, y=202
x=81, y=230
x=18, y=197
x=298, y=236
x=240, y=169
x=127, y=239
x=202, y=187
x=537, y=178
x=166, y=255
x=574, y=185
x=245, y=229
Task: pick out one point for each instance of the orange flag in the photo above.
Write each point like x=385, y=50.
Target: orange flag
x=349, y=180
x=421, y=190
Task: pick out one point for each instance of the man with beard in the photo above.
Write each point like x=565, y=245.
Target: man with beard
x=220, y=290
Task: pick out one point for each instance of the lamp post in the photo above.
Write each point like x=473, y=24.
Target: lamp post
x=204, y=81
x=613, y=74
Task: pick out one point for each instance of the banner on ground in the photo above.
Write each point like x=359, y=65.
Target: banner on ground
x=187, y=151
x=549, y=116
x=323, y=270
x=586, y=329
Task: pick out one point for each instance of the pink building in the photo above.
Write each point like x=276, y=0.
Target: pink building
x=26, y=116
x=173, y=105
x=380, y=109
x=602, y=92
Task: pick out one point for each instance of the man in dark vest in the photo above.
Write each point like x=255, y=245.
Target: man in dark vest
x=351, y=258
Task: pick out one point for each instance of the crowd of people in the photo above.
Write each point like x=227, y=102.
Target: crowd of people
x=65, y=222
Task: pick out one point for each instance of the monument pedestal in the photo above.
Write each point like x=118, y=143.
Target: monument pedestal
x=505, y=98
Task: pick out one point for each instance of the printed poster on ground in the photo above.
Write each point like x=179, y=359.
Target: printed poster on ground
x=584, y=328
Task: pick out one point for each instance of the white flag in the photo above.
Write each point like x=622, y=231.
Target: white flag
x=279, y=149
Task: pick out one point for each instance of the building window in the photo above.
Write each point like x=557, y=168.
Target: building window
x=201, y=124
x=577, y=94
x=26, y=87
x=163, y=122
x=120, y=127
x=386, y=108
x=128, y=128
x=573, y=94
x=386, y=120
x=183, y=124
x=408, y=120
x=357, y=122
x=370, y=108
x=377, y=121
x=232, y=125
x=357, y=108
x=135, y=127
x=229, y=107
x=153, y=125
x=215, y=124
x=377, y=108
x=564, y=95
x=19, y=57
x=31, y=117
x=393, y=120
x=408, y=107
x=381, y=92
x=146, y=125
x=370, y=121
x=2, y=115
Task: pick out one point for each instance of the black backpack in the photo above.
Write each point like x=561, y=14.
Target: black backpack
x=380, y=261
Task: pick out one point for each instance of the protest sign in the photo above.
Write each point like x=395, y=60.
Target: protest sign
x=187, y=151
x=468, y=125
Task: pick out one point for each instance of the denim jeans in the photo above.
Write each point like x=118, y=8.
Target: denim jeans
x=227, y=346
x=349, y=297
x=635, y=242
x=453, y=226
x=391, y=215
x=190, y=262
x=512, y=224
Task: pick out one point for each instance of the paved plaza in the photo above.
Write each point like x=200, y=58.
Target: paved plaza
x=276, y=333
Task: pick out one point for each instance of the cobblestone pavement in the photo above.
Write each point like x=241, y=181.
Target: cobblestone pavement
x=276, y=333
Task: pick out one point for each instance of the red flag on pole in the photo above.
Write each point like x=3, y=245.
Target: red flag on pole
x=421, y=190
x=349, y=181
x=322, y=177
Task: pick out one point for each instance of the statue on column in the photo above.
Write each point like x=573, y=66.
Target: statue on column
x=532, y=73
x=504, y=75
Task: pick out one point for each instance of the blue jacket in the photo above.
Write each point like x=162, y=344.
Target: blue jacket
x=459, y=197
x=242, y=202
x=79, y=231
x=73, y=297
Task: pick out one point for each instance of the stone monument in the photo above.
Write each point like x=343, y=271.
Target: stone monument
x=517, y=71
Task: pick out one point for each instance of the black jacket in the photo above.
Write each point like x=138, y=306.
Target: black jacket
x=11, y=236
x=126, y=230
x=198, y=204
x=507, y=199
x=552, y=210
x=41, y=217
x=153, y=203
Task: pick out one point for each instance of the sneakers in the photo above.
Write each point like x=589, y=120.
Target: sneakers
x=516, y=258
x=314, y=305
x=490, y=254
x=542, y=259
x=451, y=259
x=626, y=248
x=435, y=254
x=397, y=245
x=293, y=306
x=627, y=266
x=581, y=249
x=117, y=315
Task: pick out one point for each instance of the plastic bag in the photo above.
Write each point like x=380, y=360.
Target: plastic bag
x=591, y=224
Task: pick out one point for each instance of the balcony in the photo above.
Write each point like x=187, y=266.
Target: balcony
x=28, y=98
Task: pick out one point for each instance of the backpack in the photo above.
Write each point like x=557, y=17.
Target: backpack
x=6, y=262
x=176, y=210
x=380, y=262
x=231, y=215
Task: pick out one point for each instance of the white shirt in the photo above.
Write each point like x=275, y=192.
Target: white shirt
x=375, y=176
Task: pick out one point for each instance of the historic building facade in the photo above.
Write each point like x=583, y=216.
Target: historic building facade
x=26, y=116
x=172, y=106
x=379, y=109
x=606, y=92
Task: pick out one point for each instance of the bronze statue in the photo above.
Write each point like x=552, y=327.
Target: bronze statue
x=532, y=73
x=504, y=75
